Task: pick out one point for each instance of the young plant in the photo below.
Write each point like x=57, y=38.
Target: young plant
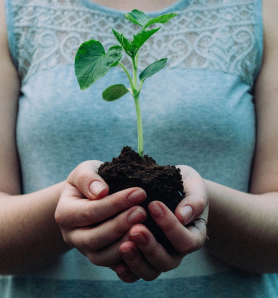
x=92, y=63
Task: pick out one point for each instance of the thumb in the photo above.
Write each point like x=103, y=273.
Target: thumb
x=85, y=178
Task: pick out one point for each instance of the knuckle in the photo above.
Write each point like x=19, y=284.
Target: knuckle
x=150, y=276
x=189, y=247
x=200, y=243
x=115, y=203
x=84, y=171
x=201, y=204
x=82, y=178
x=97, y=260
x=59, y=217
x=87, y=243
x=67, y=239
x=75, y=172
x=121, y=223
x=172, y=267
x=120, y=227
x=89, y=215
x=65, y=216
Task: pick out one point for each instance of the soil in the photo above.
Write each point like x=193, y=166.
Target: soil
x=161, y=183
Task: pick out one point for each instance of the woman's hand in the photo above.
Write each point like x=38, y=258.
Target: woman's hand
x=92, y=221
x=144, y=257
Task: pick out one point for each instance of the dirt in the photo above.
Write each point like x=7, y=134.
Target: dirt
x=161, y=183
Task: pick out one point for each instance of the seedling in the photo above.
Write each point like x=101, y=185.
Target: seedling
x=92, y=63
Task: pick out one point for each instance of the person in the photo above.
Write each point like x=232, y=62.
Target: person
x=212, y=110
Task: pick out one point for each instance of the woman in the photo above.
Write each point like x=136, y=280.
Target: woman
x=215, y=103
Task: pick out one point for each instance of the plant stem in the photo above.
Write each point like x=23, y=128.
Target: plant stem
x=135, y=66
x=140, y=86
x=139, y=125
x=127, y=73
x=136, y=93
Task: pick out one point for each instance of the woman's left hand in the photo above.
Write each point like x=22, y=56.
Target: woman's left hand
x=144, y=257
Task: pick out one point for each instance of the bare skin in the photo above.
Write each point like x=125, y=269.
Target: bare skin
x=242, y=227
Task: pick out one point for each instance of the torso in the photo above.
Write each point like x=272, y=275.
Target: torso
x=189, y=118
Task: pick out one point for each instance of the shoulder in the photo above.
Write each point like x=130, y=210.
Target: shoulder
x=3, y=29
x=4, y=47
x=270, y=44
x=7, y=67
x=270, y=21
x=9, y=80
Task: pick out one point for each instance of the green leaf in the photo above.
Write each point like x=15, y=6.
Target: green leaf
x=161, y=19
x=132, y=47
x=91, y=62
x=138, y=17
x=140, y=38
x=126, y=44
x=114, y=92
x=152, y=69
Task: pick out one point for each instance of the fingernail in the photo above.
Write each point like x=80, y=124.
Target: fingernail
x=156, y=210
x=186, y=213
x=137, y=196
x=139, y=239
x=129, y=254
x=137, y=215
x=96, y=187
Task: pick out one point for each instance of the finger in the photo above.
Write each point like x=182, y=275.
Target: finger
x=200, y=223
x=124, y=273
x=88, y=182
x=195, y=201
x=109, y=256
x=185, y=240
x=153, y=252
x=82, y=212
x=95, y=238
x=137, y=263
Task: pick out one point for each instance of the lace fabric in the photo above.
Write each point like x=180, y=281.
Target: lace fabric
x=206, y=34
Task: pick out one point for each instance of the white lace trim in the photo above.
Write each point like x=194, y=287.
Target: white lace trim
x=207, y=34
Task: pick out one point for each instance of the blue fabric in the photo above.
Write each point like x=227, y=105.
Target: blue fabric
x=233, y=284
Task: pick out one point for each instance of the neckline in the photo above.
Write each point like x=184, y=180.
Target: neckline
x=113, y=11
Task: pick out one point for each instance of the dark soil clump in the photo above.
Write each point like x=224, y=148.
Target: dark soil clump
x=161, y=183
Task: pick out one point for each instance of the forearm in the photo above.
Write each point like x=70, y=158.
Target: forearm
x=29, y=235
x=243, y=228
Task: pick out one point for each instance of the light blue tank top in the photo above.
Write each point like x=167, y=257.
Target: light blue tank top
x=197, y=111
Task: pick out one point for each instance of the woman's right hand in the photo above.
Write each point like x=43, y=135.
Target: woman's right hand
x=94, y=222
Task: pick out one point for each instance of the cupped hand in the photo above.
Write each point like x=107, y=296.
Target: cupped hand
x=94, y=222
x=144, y=257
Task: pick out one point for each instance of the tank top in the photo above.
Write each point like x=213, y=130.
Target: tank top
x=197, y=111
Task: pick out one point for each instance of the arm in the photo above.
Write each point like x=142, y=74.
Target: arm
x=251, y=220
x=9, y=86
x=243, y=228
x=29, y=234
